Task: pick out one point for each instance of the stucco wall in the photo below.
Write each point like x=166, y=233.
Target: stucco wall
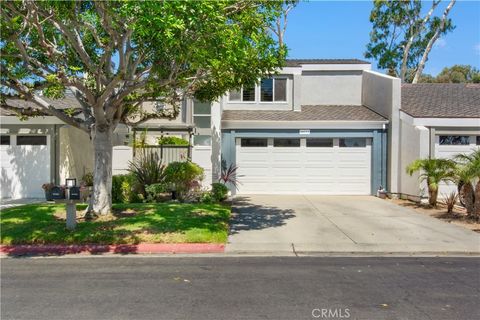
x=415, y=145
x=381, y=93
x=75, y=153
x=331, y=88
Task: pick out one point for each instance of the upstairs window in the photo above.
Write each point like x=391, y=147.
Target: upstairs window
x=273, y=90
x=245, y=94
x=201, y=114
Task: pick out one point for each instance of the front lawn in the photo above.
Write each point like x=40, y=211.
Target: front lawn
x=130, y=224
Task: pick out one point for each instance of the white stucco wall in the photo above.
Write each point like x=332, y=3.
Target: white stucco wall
x=381, y=93
x=415, y=145
x=331, y=88
x=76, y=154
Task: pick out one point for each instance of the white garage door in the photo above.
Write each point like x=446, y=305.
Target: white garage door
x=447, y=147
x=25, y=161
x=306, y=165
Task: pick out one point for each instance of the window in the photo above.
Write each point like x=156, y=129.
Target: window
x=273, y=89
x=246, y=93
x=478, y=140
x=5, y=140
x=31, y=140
x=201, y=114
x=319, y=143
x=202, y=140
x=253, y=142
x=454, y=140
x=353, y=143
x=280, y=142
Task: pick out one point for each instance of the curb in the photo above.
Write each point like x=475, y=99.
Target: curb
x=141, y=248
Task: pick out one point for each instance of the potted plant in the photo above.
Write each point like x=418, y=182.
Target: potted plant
x=47, y=187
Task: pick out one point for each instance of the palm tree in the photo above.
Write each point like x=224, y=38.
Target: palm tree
x=433, y=171
x=468, y=175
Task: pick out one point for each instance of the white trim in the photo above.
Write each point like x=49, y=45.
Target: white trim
x=237, y=124
x=335, y=67
x=47, y=120
x=440, y=122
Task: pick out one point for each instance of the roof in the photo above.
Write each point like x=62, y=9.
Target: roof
x=69, y=101
x=299, y=62
x=308, y=113
x=441, y=100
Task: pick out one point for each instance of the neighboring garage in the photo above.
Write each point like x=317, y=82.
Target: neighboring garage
x=331, y=150
x=25, y=163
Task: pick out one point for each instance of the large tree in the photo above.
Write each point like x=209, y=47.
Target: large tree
x=114, y=56
x=403, y=35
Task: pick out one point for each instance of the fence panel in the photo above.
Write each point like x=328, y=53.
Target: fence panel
x=168, y=154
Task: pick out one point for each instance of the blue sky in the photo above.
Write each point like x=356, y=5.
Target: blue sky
x=340, y=29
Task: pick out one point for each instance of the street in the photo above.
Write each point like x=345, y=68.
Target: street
x=240, y=288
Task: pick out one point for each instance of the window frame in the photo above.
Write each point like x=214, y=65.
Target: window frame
x=241, y=96
x=273, y=91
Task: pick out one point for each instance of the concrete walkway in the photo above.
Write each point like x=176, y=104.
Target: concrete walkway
x=10, y=203
x=340, y=224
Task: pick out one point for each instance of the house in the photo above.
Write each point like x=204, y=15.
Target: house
x=318, y=126
x=436, y=121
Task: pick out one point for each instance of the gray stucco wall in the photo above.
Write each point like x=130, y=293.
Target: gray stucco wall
x=381, y=93
x=331, y=88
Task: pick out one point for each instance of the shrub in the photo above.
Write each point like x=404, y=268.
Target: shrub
x=184, y=178
x=219, y=191
x=172, y=141
x=147, y=169
x=87, y=179
x=154, y=192
x=229, y=175
x=124, y=189
x=207, y=197
x=450, y=201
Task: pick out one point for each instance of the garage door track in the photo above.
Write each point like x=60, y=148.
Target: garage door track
x=340, y=224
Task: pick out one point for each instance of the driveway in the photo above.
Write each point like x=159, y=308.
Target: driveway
x=340, y=224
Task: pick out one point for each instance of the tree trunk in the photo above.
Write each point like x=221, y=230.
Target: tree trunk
x=477, y=199
x=467, y=197
x=432, y=196
x=102, y=174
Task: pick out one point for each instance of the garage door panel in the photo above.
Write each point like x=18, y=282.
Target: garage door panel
x=317, y=170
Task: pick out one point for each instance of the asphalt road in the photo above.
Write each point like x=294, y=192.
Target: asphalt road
x=240, y=288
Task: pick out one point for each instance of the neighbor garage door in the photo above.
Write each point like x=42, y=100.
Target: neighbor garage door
x=25, y=161
x=447, y=147
x=304, y=165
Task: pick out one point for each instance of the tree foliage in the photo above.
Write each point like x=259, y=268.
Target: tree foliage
x=454, y=74
x=402, y=35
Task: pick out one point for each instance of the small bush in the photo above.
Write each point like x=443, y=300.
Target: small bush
x=155, y=191
x=124, y=189
x=219, y=191
x=172, y=141
x=184, y=178
x=450, y=201
x=207, y=197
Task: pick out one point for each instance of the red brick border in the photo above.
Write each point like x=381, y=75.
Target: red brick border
x=141, y=248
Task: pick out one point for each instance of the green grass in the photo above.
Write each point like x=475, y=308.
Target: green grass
x=131, y=224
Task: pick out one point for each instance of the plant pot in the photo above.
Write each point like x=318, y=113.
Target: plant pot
x=48, y=195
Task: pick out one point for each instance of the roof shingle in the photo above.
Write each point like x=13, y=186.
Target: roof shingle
x=308, y=113
x=441, y=100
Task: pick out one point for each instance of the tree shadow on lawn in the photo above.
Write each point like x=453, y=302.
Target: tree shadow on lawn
x=130, y=225
x=247, y=215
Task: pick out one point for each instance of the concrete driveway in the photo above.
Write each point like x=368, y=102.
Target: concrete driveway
x=340, y=224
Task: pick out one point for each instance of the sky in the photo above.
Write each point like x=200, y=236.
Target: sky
x=340, y=29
